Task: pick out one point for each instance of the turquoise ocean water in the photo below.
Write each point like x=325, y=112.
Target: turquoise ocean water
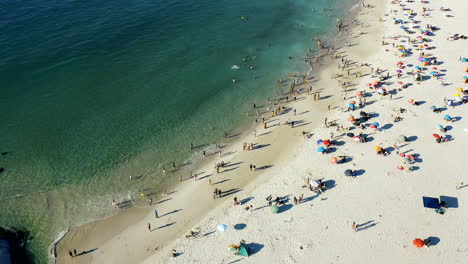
x=93, y=92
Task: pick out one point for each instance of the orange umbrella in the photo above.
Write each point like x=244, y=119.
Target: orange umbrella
x=326, y=142
x=351, y=119
x=411, y=101
x=352, y=102
x=460, y=89
x=377, y=148
x=400, y=168
x=419, y=243
x=334, y=160
x=376, y=83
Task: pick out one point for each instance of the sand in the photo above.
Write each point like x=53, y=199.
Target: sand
x=384, y=201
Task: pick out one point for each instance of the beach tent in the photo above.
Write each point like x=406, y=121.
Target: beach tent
x=430, y=202
x=243, y=251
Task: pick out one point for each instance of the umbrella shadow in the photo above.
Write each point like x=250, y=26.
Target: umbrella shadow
x=331, y=150
x=310, y=198
x=284, y=208
x=240, y=226
x=433, y=241
x=231, y=169
x=411, y=139
x=359, y=172
x=457, y=118
x=254, y=248
x=329, y=184
x=387, y=126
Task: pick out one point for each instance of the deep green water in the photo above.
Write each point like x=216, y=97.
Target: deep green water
x=93, y=92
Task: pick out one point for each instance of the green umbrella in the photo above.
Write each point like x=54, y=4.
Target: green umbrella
x=274, y=209
x=402, y=138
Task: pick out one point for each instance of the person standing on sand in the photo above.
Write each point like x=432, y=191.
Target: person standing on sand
x=209, y=182
x=156, y=213
x=295, y=200
x=255, y=133
x=149, y=227
x=74, y=252
x=215, y=193
x=220, y=193
x=70, y=253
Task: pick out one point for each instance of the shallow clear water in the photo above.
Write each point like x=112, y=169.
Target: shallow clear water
x=95, y=92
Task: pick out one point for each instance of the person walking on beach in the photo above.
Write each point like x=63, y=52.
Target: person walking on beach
x=156, y=213
x=219, y=193
x=74, y=252
x=355, y=226
x=173, y=164
x=255, y=133
x=70, y=253
x=215, y=193
x=150, y=202
x=149, y=227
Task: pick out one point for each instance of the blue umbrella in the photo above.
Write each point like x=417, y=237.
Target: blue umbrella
x=376, y=124
x=447, y=117
x=440, y=127
x=433, y=73
x=319, y=142
x=417, y=67
x=425, y=59
x=321, y=149
x=222, y=227
x=465, y=77
x=432, y=107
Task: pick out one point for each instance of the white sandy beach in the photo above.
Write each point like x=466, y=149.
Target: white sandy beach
x=384, y=201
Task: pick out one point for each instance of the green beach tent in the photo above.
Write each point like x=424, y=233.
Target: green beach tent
x=274, y=209
x=243, y=251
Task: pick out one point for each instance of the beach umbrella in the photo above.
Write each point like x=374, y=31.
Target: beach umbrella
x=460, y=89
x=400, y=168
x=400, y=82
x=399, y=63
x=411, y=101
x=334, y=160
x=319, y=142
x=447, y=117
x=419, y=243
x=433, y=73
x=372, y=126
x=376, y=124
x=377, y=148
x=351, y=119
x=348, y=172
x=350, y=134
x=436, y=136
x=327, y=142
x=399, y=71
x=433, y=107
x=221, y=227
x=357, y=138
x=407, y=159
x=376, y=83
x=369, y=84
x=274, y=209
x=402, y=138
x=401, y=155
x=457, y=95
x=360, y=94
x=439, y=127
x=321, y=149
x=425, y=59
x=417, y=67
x=233, y=247
x=352, y=102
x=434, y=68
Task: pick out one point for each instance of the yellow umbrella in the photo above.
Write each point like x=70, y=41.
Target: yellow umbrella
x=457, y=95
x=460, y=89
x=377, y=148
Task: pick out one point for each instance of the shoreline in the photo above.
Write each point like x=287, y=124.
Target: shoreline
x=317, y=70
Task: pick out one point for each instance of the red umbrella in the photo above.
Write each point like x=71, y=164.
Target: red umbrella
x=327, y=142
x=369, y=84
x=419, y=243
x=436, y=136
x=400, y=82
x=400, y=63
x=434, y=68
